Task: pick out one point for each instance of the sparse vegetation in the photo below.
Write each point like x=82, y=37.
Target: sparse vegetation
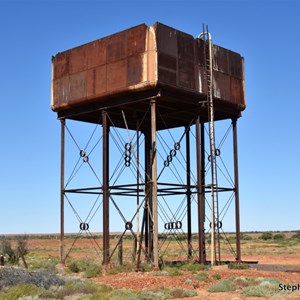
x=296, y=235
x=279, y=236
x=256, y=287
x=216, y=276
x=238, y=266
x=246, y=237
x=202, y=276
x=21, y=290
x=194, y=267
x=13, y=255
x=225, y=285
x=11, y=276
x=266, y=236
x=89, y=268
x=43, y=260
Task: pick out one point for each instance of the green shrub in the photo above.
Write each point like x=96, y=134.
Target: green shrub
x=9, y=252
x=173, y=271
x=236, y=266
x=167, y=293
x=44, y=264
x=77, y=287
x=202, y=277
x=296, y=235
x=279, y=236
x=256, y=287
x=92, y=271
x=216, y=276
x=74, y=267
x=266, y=236
x=246, y=237
x=181, y=293
x=160, y=273
x=194, y=267
x=21, y=290
x=265, y=287
x=90, y=268
x=224, y=285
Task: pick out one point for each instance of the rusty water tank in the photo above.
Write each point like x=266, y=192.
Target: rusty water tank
x=141, y=59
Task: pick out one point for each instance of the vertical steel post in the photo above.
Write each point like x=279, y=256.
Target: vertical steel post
x=154, y=183
x=105, y=188
x=200, y=188
x=62, y=191
x=202, y=173
x=236, y=191
x=135, y=242
x=188, y=192
x=147, y=202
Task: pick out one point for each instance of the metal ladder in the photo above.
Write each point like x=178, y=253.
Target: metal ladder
x=215, y=228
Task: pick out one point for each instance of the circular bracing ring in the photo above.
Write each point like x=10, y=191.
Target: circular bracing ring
x=218, y=224
x=177, y=146
x=173, y=225
x=128, y=225
x=166, y=163
x=127, y=154
x=218, y=152
x=172, y=152
x=82, y=153
x=84, y=226
x=127, y=147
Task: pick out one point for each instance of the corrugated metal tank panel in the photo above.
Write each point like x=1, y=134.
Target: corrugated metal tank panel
x=142, y=58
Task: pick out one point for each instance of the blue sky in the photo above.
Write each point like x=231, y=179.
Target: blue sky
x=266, y=33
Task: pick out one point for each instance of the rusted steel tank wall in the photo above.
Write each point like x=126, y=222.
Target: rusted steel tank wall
x=143, y=58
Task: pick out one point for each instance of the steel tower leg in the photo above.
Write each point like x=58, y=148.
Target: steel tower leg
x=236, y=191
x=105, y=188
x=147, y=187
x=188, y=193
x=62, y=192
x=200, y=188
x=154, y=183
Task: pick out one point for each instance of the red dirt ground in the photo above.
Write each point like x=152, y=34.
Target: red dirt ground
x=148, y=281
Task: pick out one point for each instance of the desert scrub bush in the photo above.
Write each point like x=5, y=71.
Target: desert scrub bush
x=88, y=267
x=265, y=287
x=160, y=273
x=246, y=237
x=10, y=276
x=224, y=285
x=236, y=266
x=19, y=251
x=92, y=271
x=21, y=290
x=296, y=235
x=266, y=236
x=7, y=250
x=173, y=271
x=168, y=293
x=202, y=276
x=279, y=236
x=181, y=293
x=72, y=288
x=73, y=267
x=194, y=267
x=256, y=287
x=43, y=264
x=216, y=276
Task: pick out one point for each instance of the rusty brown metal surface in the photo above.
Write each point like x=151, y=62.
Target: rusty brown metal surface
x=143, y=59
